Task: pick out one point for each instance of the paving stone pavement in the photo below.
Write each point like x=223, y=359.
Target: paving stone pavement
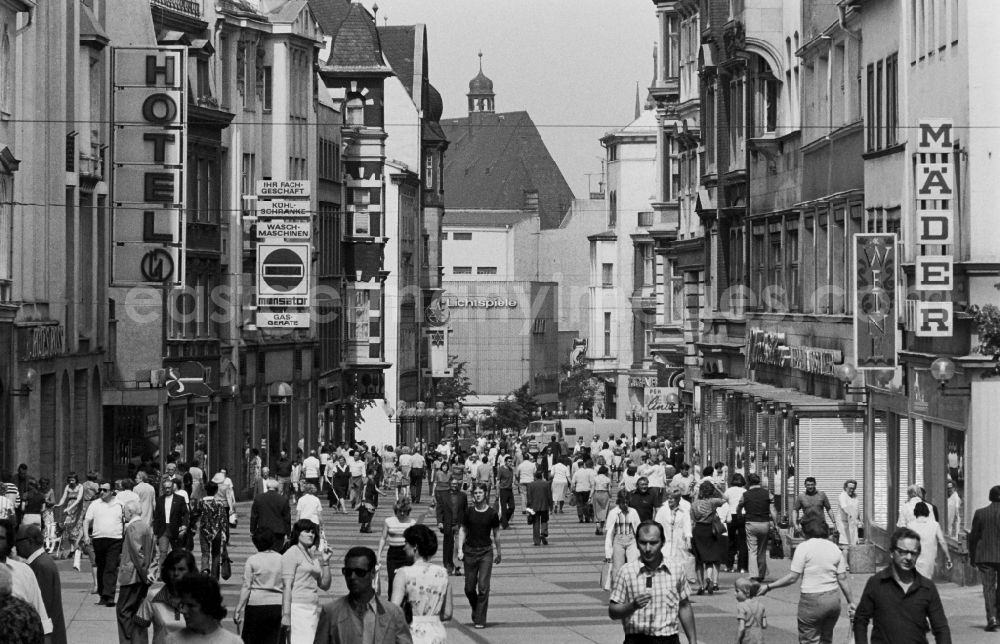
x=544, y=594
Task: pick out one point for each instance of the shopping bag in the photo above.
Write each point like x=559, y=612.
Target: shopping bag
x=572, y=498
x=226, y=570
x=606, y=576
x=777, y=549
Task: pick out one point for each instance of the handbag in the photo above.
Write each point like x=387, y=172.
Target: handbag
x=776, y=548
x=572, y=498
x=718, y=527
x=606, y=576
x=226, y=569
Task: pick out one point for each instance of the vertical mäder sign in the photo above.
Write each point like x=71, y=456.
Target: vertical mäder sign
x=935, y=209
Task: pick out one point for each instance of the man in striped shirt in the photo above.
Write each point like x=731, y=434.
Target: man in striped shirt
x=650, y=596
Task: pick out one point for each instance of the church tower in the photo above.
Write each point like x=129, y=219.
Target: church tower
x=481, y=92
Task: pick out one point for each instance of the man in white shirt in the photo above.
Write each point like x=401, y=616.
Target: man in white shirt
x=147, y=497
x=684, y=481
x=525, y=474
x=595, y=446
x=103, y=526
x=310, y=469
x=23, y=582
x=954, y=510
x=582, y=486
x=417, y=466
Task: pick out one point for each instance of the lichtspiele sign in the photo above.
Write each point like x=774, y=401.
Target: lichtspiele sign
x=875, y=271
x=148, y=149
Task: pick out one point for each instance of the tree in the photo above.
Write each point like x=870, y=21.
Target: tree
x=514, y=411
x=579, y=386
x=454, y=389
x=987, y=321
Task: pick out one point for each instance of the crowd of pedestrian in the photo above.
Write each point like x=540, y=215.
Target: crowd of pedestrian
x=669, y=533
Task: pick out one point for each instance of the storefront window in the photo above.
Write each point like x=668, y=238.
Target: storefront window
x=955, y=483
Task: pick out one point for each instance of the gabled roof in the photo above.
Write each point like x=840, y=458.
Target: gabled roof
x=330, y=14
x=398, y=48
x=493, y=160
x=356, y=45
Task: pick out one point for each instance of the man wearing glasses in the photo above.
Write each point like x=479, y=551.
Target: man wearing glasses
x=900, y=601
x=361, y=617
x=103, y=526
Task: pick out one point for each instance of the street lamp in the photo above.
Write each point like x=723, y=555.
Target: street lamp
x=634, y=416
x=943, y=370
x=421, y=413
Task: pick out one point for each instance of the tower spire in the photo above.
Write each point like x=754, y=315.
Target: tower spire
x=480, y=61
x=638, y=106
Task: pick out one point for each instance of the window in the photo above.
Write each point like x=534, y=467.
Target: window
x=444, y=236
x=354, y=113
x=607, y=334
x=764, y=93
x=268, y=89
x=708, y=130
x=538, y=326
x=758, y=261
x=612, y=208
x=612, y=152
x=462, y=270
x=461, y=236
x=607, y=275
x=735, y=118
x=204, y=86
x=646, y=265
x=676, y=293
x=883, y=104
x=792, y=286
x=227, y=70
x=486, y=270
x=645, y=219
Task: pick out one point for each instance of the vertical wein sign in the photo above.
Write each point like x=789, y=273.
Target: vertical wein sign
x=875, y=300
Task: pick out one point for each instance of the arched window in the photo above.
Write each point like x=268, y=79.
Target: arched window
x=354, y=114
x=764, y=89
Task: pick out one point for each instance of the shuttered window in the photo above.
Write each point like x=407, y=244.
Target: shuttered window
x=832, y=451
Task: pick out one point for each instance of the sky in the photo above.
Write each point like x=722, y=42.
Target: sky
x=572, y=65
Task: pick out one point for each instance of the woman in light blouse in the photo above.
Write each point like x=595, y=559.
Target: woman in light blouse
x=258, y=611
x=392, y=535
x=600, y=498
x=304, y=573
x=676, y=526
x=619, y=530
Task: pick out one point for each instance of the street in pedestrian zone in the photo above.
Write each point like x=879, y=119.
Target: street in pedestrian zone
x=544, y=594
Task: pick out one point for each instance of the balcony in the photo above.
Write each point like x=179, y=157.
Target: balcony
x=189, y=7
x=666, y=91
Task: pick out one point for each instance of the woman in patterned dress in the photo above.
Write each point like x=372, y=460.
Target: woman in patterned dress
x=425, y=586
x=212, y=517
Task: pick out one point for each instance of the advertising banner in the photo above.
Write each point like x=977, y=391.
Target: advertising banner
x=875, y=270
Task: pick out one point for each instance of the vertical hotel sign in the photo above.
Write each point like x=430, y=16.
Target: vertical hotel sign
x=935, y=208
x=875, y=270
x=149, y=139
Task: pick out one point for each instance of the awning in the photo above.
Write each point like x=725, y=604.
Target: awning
x=782, y=396
x=279, y=391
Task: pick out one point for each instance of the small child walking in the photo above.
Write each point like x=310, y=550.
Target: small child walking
x=749, y=612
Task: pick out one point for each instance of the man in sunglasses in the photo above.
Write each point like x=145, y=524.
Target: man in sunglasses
x=361, y=615
x=104, y=527
x=900, y=601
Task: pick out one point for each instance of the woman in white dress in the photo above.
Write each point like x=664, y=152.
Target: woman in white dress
x=425, y=586
x=849, y=513
x=931, y=537
x=560, y=480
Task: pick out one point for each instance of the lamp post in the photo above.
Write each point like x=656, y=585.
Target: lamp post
x=421, y=413
x=634, y=416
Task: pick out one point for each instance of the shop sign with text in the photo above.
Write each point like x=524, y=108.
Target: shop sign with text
x=148, y=149
x=936, y=200
x=875, y=275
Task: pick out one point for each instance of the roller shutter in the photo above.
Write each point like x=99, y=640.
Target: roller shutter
x=832, y=451
x=880, y=515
